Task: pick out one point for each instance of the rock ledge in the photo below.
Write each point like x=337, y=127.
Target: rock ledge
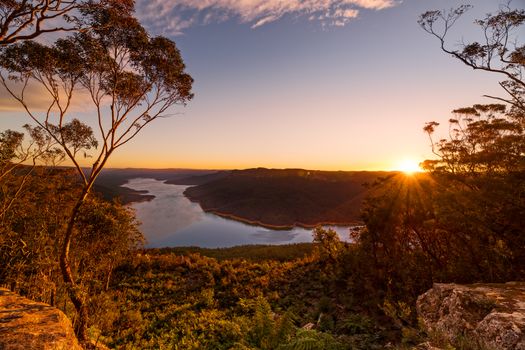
x=28, y=325
x=491, y=315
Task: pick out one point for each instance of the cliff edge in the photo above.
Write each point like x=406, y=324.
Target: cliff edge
x=28, y=325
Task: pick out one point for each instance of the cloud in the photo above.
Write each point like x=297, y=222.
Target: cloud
x=172, y=17
x=38, y=99
x=264, y=20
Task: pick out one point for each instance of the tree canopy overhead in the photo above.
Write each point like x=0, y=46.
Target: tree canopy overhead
x=499, y=50
x=130, y=77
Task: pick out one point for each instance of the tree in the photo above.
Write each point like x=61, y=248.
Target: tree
x=31, y=234
x=131, y=79
x=28, y=19
x=499, y=52
x=29, y=231
x=463, y=220
x=480, y=167
x=14, y=153
x=329, y=243
x=399, y=248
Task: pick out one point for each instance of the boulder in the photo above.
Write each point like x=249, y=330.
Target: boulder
x=489, y=315
x=28, y=325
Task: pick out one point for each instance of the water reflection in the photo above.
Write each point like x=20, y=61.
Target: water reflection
x=170, y=220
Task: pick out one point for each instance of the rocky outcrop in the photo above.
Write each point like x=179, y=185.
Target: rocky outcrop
x=28, y=325
x=489, y=315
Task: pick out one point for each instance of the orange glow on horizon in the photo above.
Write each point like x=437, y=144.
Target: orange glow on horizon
x=122, y=162
x=158, y=161
x=218, y=165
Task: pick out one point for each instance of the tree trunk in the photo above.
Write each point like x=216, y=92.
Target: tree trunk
x=67, y=275
x=108, y=279
x=75, y=294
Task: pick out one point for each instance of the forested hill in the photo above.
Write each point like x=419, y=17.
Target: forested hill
x=275, y=197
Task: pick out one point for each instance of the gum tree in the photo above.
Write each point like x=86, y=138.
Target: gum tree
x=27, y=19
x=17, y=150
x=498, y=52
x=479, y=168
x=130, y=80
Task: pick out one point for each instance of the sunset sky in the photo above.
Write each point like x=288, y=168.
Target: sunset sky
x=317, y=84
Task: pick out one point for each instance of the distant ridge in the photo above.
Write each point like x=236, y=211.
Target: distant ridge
x=281, y=198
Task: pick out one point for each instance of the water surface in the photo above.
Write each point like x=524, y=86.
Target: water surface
x=171, y=220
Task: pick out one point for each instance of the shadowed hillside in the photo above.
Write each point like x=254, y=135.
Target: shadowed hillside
x=286, y=197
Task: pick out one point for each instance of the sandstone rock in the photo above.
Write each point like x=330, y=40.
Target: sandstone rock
x=28, y=325
x=491, y=315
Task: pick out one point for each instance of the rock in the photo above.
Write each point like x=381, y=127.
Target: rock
x=308, y=326
x=28, y=325
x=490, y=315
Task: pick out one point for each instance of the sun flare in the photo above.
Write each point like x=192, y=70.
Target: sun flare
x=408, y=166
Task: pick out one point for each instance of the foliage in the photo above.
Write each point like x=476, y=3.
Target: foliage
x=255, y=253
x=462, y=221
x=312, y=340
x=329, y=243
x=31, y=233
x=15, y=151
x=191, y=301
x=115, y=60
x=497, y=52
x=23, y=20
x=480, y=167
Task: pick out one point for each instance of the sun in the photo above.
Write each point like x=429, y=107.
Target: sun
x=408, y=166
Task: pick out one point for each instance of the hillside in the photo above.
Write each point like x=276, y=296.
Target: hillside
x=274, y=197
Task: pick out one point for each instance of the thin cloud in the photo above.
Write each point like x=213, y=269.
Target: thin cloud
x=38, y=99
x=174, y=16
x=264, y=20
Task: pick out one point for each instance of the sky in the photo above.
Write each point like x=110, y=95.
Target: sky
x=315, y=84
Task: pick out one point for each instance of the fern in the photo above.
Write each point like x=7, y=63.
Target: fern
x=312, y=340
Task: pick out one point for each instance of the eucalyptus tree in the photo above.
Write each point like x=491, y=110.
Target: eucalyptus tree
x=480, y=166
x=19, y=154
x=463, y=220
x=129, y=80
x=28, y=19
x=17, y=150
x=498, y=52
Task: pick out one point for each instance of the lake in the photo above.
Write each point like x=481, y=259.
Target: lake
x=171, y=220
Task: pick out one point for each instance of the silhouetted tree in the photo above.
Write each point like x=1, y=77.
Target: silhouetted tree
x=480, y=167
x=499, y=52
x=131, y=79
x=28, y=19
x=463, y=221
